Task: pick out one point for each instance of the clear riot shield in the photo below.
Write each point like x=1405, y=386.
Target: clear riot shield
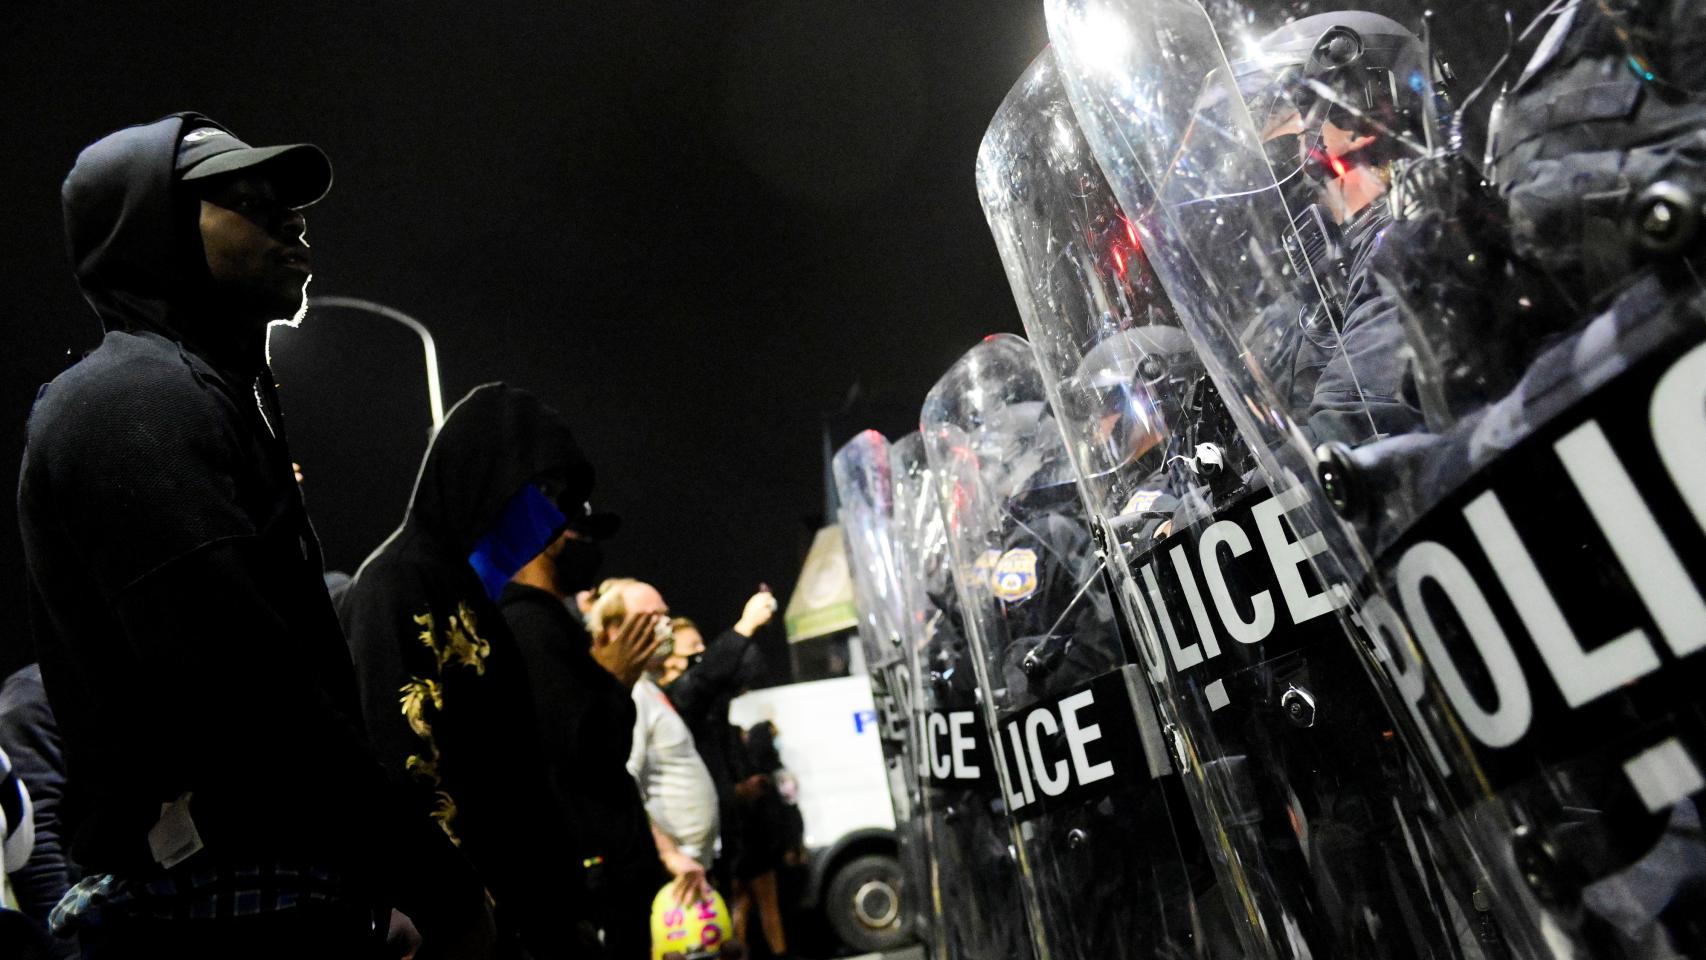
x=1318, y=817
x=863, y=482
x=1495, y=364
x=1088, y=782
x=983, y=917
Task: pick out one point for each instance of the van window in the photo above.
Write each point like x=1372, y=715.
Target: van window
x=821, y=658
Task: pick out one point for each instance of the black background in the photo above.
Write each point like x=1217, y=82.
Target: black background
x=690, y=226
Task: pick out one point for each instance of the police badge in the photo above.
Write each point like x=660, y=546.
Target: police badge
x=1015, y=575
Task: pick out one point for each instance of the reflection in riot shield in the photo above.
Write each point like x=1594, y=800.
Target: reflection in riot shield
x=863, y=483
x=972, y=846
x=1086, y=774
x=1317, y=819
x=1526, y=553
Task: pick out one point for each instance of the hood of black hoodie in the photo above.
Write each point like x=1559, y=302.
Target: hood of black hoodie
x=495, y=441
x=135, y=240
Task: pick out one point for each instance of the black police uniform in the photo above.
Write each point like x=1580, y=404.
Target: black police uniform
x=969, y=827
x=1114, y=868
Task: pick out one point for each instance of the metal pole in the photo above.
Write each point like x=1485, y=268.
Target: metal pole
x=435, y=396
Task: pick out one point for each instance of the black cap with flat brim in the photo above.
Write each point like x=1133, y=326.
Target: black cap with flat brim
x=300, y=172
x=597, y=526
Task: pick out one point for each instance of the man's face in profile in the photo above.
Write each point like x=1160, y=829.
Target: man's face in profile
x=1351, y=184
x=256, y=247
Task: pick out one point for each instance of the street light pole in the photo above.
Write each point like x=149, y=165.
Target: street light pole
x=435, y=395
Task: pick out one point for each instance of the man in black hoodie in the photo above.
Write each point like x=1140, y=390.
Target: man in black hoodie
x=224, y=799
x=443, y=684
x=586, y=726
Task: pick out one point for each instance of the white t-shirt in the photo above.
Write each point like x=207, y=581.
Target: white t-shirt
x=674, y=782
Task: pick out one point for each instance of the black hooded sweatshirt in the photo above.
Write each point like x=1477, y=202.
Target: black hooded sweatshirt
x=185, y=637
x=444, y=687
x=586, y=726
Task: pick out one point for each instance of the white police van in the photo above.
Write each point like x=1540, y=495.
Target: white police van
x=827, y=737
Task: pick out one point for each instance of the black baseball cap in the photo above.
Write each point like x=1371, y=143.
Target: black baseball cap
x=598, y=526
x=300, y=172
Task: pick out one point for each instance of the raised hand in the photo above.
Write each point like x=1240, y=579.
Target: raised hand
x=626, y=650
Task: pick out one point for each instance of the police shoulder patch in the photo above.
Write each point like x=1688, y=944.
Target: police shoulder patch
x=1015, y=574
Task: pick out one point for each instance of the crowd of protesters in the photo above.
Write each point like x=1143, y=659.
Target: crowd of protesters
x=478, y=750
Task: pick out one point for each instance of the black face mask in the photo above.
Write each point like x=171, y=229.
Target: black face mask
x=577, y=565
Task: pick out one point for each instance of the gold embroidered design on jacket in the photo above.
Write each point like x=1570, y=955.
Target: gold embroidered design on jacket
x=423, y=697
x=417, y=693
x=444, y=811
x=462, y=643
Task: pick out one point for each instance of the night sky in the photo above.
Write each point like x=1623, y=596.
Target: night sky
x=691, y=227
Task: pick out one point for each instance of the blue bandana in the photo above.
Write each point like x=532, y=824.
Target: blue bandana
x=524, y=526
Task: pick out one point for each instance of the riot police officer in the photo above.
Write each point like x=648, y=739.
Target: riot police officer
x=983, y=916
x=1333, y=122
